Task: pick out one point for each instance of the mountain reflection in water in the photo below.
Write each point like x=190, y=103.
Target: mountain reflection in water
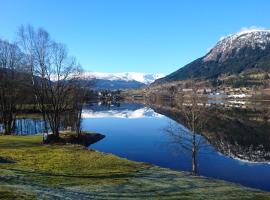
x=233, y=144
x=232, y=139
x=242, y=134
x=119, y=112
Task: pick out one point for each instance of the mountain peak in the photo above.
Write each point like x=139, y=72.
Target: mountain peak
x=232, y=44
x=246, y=52
x=252, y=31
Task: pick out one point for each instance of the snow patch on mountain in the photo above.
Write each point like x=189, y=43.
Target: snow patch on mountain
x=252, y=29
x=248, y=37
x=124, y=76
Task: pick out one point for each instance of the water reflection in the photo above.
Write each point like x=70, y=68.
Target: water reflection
x=36, y=125
x=219, y=140
x=194, y=116
x=226, y=142
x=182, y=140
x=29, y=126
x=129, y=111
x=239, y=133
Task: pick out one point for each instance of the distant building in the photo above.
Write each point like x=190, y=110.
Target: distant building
x=208, y=90
x=200, y=91
x=187, y=90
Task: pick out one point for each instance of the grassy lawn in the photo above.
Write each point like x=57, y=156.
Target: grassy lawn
x=30, y=170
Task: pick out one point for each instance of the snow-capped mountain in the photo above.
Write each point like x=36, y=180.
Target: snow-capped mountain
x=124, y=76
x=232, y=44
x=246, y=51
x=124, y=80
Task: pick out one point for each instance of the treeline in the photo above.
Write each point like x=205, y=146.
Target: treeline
x=37, y=70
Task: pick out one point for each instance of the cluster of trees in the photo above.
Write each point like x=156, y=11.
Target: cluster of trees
x=10, y=61
x=38, y=65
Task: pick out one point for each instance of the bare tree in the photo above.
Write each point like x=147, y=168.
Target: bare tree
x=194, y=117
x=79, y=95
x=53, y=74
x=10, y=64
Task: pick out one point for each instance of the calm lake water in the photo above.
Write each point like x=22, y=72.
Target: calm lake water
x=138, y=133
x=234, y=147
x=28, y=126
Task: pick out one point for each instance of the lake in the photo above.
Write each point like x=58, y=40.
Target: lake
x=138, y=133
x=234, y=145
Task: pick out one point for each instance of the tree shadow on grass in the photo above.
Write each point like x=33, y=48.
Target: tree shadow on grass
x=6, y=161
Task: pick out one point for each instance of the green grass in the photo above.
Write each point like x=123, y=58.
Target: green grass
x=30, y=170
x=12, y=193
x=61, y=161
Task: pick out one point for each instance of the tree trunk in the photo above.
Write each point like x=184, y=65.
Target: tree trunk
x=8, y=125
x=194, y=162
x=78, y=122
x=56, y=131
x=8, y=128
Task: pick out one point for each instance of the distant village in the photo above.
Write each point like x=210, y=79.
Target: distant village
x=226, y=92
x=225, y=96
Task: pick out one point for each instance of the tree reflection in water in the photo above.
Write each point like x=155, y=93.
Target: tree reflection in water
x=29, y=126
x=238, y=132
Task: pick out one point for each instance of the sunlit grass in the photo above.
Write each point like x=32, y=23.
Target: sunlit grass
x=68, y=161
x=29, y=169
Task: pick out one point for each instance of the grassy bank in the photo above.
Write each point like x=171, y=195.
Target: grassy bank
x=30, y=170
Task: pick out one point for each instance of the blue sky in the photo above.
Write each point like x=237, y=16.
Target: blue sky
x=134, y=35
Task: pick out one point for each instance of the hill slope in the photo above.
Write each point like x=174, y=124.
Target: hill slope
x=235, y=54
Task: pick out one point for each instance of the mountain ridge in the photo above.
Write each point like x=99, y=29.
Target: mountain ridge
x=234, y=54
x=120, y=80
x=145, y=78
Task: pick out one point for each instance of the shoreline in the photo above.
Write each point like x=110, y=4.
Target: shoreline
x=72, y=170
